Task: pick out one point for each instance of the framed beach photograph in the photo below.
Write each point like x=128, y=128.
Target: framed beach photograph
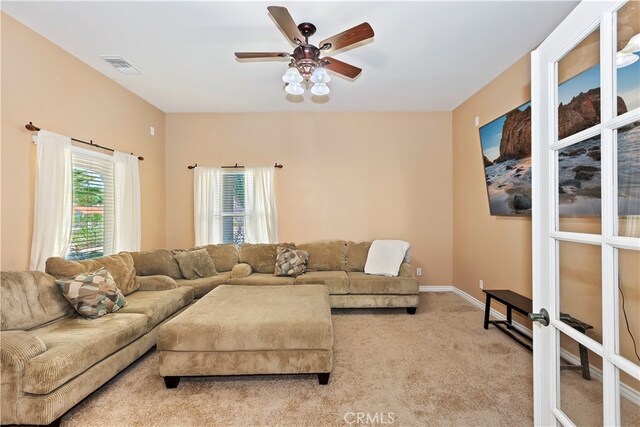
x=506, y=150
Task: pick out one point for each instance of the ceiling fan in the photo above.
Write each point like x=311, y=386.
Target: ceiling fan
x=306, y=63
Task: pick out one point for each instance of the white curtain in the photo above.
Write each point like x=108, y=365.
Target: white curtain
x=261, y=215
x=126, y=207
x=207, y=208
x=53, y=204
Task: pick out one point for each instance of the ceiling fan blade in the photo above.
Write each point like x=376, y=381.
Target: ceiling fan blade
x=340, y=67
x=286, y=24
x=347, y=38
x=253, y=55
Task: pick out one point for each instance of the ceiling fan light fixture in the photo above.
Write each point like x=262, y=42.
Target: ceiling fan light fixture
x=320, y=89
x=633, y=45
x=625, y=59
x=320, y=75
x=292, y=76
x=294, y=89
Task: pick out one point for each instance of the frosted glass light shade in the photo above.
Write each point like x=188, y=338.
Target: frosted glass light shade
x=294, y=89
x=320, y=89
x=633, y=45
x=320, y=75
x=292, y=76
x=625, y=59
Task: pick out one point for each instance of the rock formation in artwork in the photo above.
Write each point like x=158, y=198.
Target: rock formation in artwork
x=516, y=136
x=581, y=113
x=486, y=161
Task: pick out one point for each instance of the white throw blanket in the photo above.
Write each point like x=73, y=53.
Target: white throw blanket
x=385, y=257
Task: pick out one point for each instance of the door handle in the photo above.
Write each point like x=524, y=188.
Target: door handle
x=542, y=317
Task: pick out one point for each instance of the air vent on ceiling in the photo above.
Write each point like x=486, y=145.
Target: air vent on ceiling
x=120, y=64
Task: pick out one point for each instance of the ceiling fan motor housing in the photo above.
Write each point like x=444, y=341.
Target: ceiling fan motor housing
x=307, y=59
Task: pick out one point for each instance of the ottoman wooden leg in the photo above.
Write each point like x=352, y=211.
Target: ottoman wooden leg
x=411, y=310
x=323, y=378
x=171, y=382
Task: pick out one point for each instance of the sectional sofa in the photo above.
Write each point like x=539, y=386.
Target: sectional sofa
x=337, y=264
x=52, y=358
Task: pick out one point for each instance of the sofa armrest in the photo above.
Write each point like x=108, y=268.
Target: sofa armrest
x=406, y=270
x=156, y=283
x=16, y=349
x=241, y=271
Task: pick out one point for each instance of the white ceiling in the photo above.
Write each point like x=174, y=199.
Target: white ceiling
x=426, y=56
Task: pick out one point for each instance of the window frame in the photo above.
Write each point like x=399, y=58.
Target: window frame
x=107, y=242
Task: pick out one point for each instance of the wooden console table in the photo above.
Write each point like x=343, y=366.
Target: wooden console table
x=523, y=305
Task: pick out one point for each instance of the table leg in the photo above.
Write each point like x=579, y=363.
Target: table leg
x=487, y=310
x=584, y=361
x=509, y=317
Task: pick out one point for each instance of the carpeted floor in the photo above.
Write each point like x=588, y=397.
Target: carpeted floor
x=438, y=367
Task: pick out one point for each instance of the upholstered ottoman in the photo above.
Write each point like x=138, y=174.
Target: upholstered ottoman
x=246, y=330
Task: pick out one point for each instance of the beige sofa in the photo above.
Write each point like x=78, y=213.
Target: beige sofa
x=52, y=358
x=337, y=264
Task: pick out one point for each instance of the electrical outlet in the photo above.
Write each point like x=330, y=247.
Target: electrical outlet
x=481, y=284
x=152, y=131
x=477, y=121
x=418, y=271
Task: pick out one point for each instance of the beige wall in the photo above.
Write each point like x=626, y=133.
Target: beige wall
x=491, y=248
x=357, y=176
x=44, y=84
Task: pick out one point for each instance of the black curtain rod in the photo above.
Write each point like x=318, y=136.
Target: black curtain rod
x=33, y=128
x=236, y=166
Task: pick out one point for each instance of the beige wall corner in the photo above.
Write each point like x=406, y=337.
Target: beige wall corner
x=490, y=248
x=354, y=176
x=43, y=83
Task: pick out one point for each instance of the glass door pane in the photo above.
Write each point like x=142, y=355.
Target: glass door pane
x=580, y=268
x=627, y=64
x=579, y=87
x=580, y=394
x=628, y=164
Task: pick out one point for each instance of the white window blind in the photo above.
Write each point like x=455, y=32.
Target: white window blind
x=233, y=207
x=92, y=224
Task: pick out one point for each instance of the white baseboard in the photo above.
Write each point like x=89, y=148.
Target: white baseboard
x=625, y=391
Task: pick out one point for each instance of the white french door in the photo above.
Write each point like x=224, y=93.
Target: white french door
x=586, y=217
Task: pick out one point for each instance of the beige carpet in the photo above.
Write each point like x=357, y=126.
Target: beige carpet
x=438, y=367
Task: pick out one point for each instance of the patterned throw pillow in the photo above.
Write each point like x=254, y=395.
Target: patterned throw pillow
x=92, y=294
x=195, y=264
x=291, y=262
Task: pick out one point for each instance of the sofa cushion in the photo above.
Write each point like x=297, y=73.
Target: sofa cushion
x=336, y=281
x=29, y=299
x=290, y=262
x=261, y=256
x=120, y=266
x=92, y=294
x=195, y=264
x=357, y=255
x=260, y=279
x=203, y=286
x=224, y=256
x=326, y=256
x=361, y=283
x=157, y=305
x=158, y=261
x=75, y=344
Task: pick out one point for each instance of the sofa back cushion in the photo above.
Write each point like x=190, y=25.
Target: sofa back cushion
x=157, y=261
x=120, y=266
x=357, y=255
x=29, y=299
x=262, y=256
x=326, y=256
x=224, y=256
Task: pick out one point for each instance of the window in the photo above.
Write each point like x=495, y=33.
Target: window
x=92, y=224
x=233, y=207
